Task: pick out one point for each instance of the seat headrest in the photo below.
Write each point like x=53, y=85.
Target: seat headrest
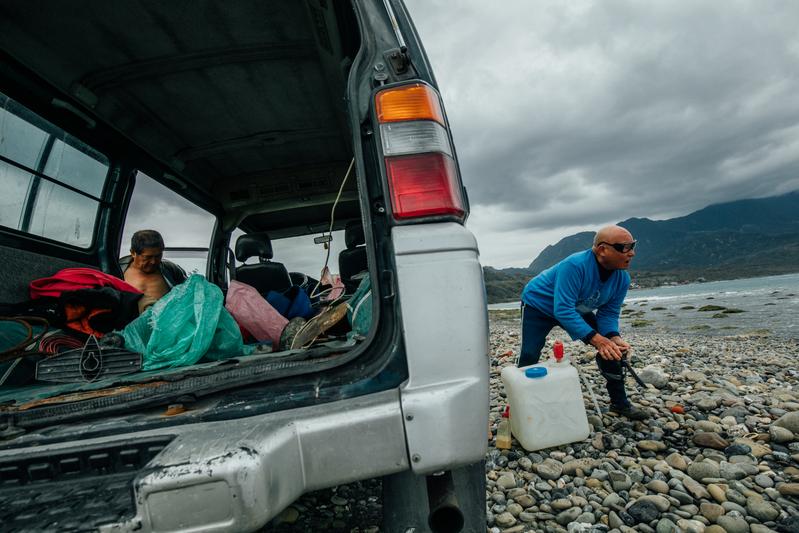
x=353, y=234
x=253, y=245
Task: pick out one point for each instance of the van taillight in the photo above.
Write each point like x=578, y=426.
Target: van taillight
x=424, y=185
x=422, y=173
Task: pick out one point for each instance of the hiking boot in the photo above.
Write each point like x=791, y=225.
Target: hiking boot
x=630, y=411
x=289, y=333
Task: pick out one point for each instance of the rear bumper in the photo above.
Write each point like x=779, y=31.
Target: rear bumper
x=237, y=475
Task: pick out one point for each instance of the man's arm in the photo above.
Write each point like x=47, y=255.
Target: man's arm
x=607, y=316
x=566, y=292
x=610, y=344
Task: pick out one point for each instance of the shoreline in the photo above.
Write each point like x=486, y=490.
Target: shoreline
x=756, y=306
x=682, y=284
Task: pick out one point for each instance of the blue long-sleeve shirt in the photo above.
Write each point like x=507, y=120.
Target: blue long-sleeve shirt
x=572, y=288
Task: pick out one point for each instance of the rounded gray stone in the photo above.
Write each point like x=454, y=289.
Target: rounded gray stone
x=703, y=469
x=550, y=469
x=732, y=524
x=666, y=526
x=505, y=519
x=570, y=515
x=761, y=509
x=764, y=481
x=711, y=511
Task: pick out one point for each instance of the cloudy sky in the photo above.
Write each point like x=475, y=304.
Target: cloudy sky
x=570, y=115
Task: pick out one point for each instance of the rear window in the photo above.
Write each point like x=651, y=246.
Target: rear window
x=52, y=182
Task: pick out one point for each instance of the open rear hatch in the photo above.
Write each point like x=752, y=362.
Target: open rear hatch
x=242, y=109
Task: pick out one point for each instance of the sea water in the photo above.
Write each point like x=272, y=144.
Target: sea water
x=767, y=304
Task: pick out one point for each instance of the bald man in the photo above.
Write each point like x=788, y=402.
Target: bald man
x=583, y=295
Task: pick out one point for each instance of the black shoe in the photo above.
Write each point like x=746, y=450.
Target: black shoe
x=630, y=411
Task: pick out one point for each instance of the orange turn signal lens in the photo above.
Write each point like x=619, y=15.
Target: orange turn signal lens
x=409, y=102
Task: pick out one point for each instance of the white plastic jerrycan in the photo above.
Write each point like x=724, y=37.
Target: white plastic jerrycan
x=546, y=404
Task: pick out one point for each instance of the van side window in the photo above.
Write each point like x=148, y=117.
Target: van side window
x=185, y=227
x=52, y=183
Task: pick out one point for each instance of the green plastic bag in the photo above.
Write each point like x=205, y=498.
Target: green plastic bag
x=184, y=326
x=359, y=309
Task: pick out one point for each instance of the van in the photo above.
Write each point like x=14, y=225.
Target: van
x=285, y=121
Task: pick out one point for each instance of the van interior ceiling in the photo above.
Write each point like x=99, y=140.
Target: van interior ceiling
x=252, y=122
x=252, y=125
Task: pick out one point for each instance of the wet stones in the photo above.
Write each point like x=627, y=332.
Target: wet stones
x=549, y=469
x=703, y=469
x=677, y=461
x=652, y=445
x=737, y=449
x=789, y=421
x=733, y=523
x=643, y=511
x=762, y=510
x=788, y=489
x=780, y=434
x=710, y=440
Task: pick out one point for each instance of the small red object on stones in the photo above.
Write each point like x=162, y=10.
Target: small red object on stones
x=677, y=409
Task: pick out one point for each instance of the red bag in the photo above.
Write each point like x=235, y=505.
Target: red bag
x=71, y=279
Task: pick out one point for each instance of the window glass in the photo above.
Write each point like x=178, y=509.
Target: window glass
x=63, y=215
x=181, y=223
x=192, y=261
x=15, y=183
x=40, y=160
x=20, y=140
x=301, y=254
x=78, y=167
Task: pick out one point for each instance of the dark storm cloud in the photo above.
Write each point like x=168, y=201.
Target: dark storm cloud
x=579, y=114
x=571, y=115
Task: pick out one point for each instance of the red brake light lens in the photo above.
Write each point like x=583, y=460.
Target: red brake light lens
x=424, y=185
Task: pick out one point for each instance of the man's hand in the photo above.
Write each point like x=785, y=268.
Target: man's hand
x=609, y=349
x=621, y=344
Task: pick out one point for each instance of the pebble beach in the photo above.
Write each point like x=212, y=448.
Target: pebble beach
x=720, y=452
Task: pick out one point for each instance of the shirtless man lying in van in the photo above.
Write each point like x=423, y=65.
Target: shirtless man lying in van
x=146, y=269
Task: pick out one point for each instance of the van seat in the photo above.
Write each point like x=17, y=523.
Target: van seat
x=266, y=275
x=352, y=260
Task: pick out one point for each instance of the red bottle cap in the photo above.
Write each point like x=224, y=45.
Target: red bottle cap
x=557, y=350
x=506, y=412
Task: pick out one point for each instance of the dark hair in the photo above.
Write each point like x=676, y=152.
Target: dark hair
x=146, y=238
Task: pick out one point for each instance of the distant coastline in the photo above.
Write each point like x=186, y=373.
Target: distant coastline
x=764, y=305
x=651, y=280
x=513, y=301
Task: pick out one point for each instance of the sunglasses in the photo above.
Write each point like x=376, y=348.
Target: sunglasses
x=621, y=247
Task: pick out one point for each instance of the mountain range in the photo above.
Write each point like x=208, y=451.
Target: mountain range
x=744, y=238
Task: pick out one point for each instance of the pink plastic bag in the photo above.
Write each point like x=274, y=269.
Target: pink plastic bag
x=254, y=313
x=334, y=281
